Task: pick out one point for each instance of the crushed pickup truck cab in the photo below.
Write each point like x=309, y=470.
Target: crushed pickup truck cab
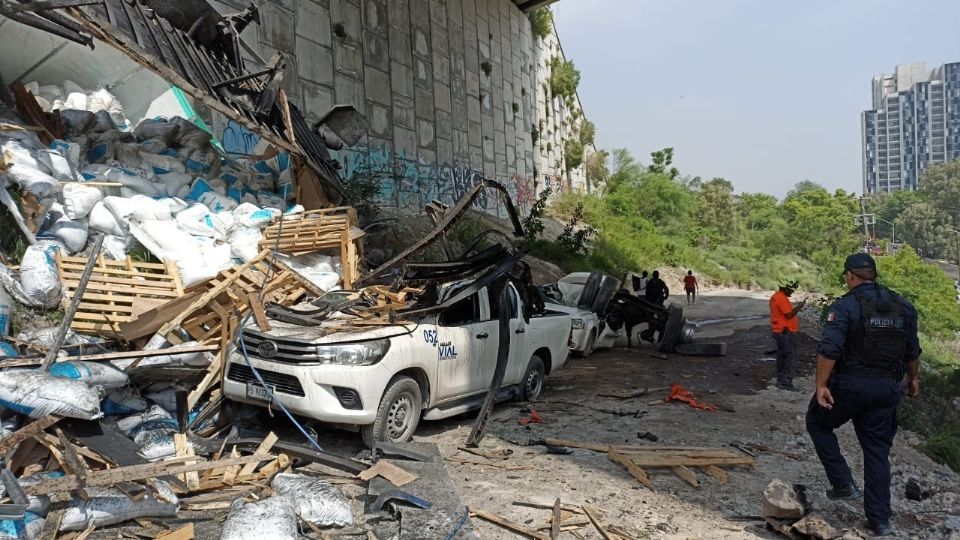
x=383, y=379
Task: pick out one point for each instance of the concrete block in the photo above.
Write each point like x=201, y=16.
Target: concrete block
x=488, y=150
x=486, y=104
x=348, y=90
x=315, y=62
x=444, y=151
x=420, y=14
x=398, y=14
x=349, y=16
x=474, y=134
x=441, y=67
x=317, y=100
x=486, y=123
x=472, y=55
x=500, y=161
x=476, y=155
x=379, y=116
x=427, y=166
x=349, y=59
x=454, y=20
x=313, y=22
x=511, y=156
x=499, y=142
x=400, y=45
x=277, y=29
x=377, y=86
x=403, y=111
x=376, y=50
x=375, y=15
x=473, y=109
x=423, y=103
x=426, y=135
x=489, y=169
x=444, y=126
x=511, y=134
x=401, y=79
x=461, y=143
x=441, y=97
x=404, y=142
x=498, y=121
x=422, y=72
x=473, y=83
x=421, y=41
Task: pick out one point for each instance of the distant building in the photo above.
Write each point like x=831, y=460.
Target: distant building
x=915, y=122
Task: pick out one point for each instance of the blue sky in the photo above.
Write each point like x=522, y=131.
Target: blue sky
x=763, y=93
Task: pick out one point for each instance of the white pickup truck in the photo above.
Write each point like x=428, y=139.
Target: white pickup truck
x=385, y=378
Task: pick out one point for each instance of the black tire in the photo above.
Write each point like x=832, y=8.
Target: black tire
x=397, y=415
x=588, y=350
x=533, y=379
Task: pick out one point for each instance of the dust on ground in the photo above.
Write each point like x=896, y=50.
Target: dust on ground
x=752, y=411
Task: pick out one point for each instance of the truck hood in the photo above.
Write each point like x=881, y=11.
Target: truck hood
x=336, y=330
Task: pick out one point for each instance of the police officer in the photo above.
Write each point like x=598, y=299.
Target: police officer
x=868, y=343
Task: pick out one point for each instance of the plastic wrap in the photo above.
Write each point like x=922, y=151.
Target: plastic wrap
x=37, y=394
x=316, y=500
x=273, y=518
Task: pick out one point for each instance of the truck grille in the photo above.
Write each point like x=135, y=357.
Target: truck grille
x=288, y=384
x=291, y=350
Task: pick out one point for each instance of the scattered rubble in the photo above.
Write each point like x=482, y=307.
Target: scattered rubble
x=781, y=501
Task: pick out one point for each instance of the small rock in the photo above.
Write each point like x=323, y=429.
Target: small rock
x=914, y=492
x=781, y=501
x=952, y=523
x=815, y=526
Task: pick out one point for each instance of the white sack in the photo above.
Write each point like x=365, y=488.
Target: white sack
x=316, y=500
x=37, y=394
x=245, y=243
x=79, y=200
x=72, y=233
x=109, y=506
x=103, y=220
x=91, y=373
x=38, y=274
x=273, y=518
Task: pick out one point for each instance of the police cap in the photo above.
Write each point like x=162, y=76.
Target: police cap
x=859, y=260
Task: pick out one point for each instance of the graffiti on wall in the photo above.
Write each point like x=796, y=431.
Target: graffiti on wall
x=408, y=185
x=237, y=139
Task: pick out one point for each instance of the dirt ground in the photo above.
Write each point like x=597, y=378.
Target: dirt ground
x=751, y=411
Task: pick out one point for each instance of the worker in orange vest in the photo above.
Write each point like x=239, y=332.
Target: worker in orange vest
x=785, y=324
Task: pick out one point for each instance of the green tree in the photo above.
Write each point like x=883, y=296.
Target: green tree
x=662, y=159
x=716, y=205
x=625, y=169
x=588, y=132
x=927, y=228
x=573, y=151
x=541, y=20
x=597, y=171
x=564, y=78
x=940, y=184
x=818, y=223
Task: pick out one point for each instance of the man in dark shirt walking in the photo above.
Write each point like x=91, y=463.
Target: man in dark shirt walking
x=868, y=343
x=657, y=291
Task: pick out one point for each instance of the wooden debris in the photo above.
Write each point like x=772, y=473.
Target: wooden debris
x=632, y=468
x=120, y=355
x=507, y=524
x=117, y=292
x=592, y=513
x=716, y=472
x=265, y=445
x=318, y=230
x=27, y=431
x=497, y=465
x=184, y=449
x=498, y=454
x=686, y=474
x=555, y=522
x=183, y=533
x=574, y=509
x=395, y=475
x=134, y=472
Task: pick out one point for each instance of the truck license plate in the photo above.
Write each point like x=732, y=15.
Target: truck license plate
x=259, y=393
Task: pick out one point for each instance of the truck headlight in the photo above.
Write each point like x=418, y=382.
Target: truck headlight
x=354, y=354
x=577, y=323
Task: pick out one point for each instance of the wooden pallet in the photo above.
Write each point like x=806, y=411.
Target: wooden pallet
x=680, y=460
x=330, y=229
x=118, y=291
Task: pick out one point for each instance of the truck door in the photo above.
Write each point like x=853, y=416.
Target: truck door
x=460, y=339
x=518, y=348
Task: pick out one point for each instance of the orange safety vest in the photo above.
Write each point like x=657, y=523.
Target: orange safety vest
x=779, y=307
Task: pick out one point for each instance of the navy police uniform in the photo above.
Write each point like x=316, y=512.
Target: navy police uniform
x=871, y=333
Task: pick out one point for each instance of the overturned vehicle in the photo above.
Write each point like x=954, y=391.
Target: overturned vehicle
x=412, y=339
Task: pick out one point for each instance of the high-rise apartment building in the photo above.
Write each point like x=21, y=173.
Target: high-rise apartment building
x=915, y=122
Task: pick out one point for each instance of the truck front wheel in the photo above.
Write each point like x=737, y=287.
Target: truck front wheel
x=397, y=415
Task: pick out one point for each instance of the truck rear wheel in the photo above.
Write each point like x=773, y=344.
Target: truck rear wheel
x=397, y=415
x=533, y=379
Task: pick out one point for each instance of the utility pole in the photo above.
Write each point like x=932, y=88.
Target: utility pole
x=863, y=216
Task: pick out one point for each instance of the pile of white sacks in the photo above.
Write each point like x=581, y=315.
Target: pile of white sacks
x=169, y=190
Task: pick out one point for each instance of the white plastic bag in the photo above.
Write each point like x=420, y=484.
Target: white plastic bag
x=38, y=274
x=317, y=501
x=273, y=518
x=72, y=233
x=37, y=394
x=123, y=402
x=79, y=200
x=174, y=182
x=217, y=202
x=160, y=163
x=58, y=165
x=109, y=506
x=92, y=373
x=114, y=247
x=153, y=128
x=199, y=221
x=69, y=150
x=251, y=215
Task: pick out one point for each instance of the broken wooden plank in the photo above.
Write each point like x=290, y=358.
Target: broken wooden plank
x=121, y=355
x=631, y=467
x=183, y=533
x=507, y=524
x=395, y=475
x=135, y=472
x=592, y=513
x=686, y=474
x=555, y=522
x=27, y=431
x=184, y=449
x=716, y=472
x=263, y=449
x=575, y=509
